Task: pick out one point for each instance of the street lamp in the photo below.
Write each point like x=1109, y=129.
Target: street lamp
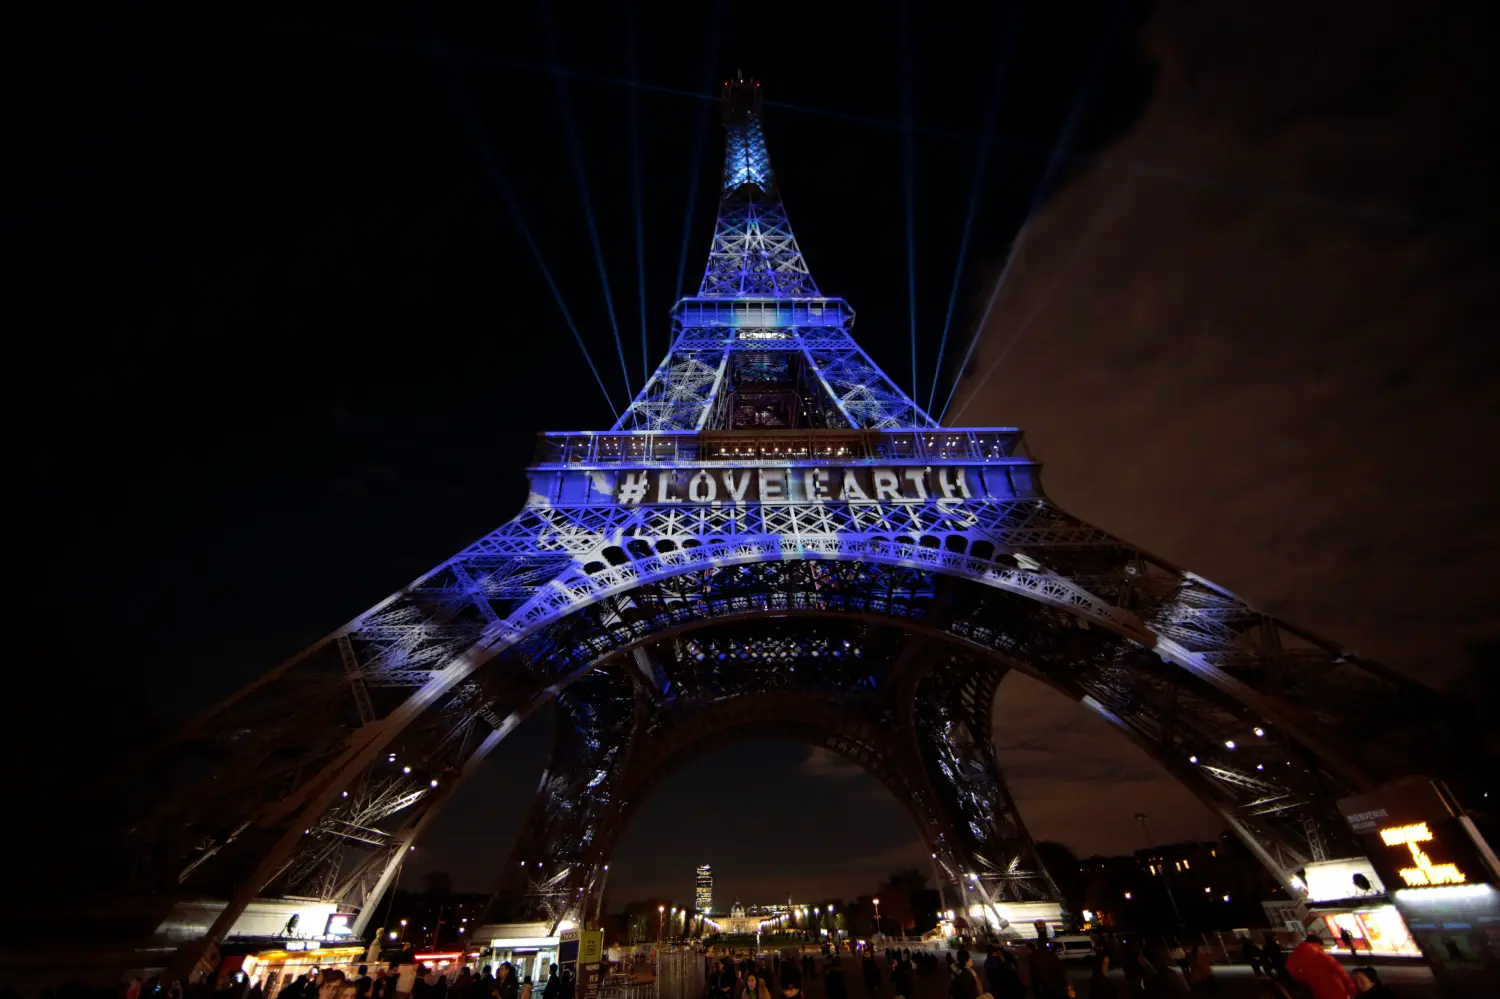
x=659, y=910
x=877, y=916
x=1165, y=878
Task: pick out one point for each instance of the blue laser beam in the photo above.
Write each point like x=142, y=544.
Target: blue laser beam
x=508, y=197
x=908, y=165
x=1060, y=155
x=581, y=176
x=632, y=69
x=1101, y=219
x=1164, y=172
x=981, y=157
x=700, y=137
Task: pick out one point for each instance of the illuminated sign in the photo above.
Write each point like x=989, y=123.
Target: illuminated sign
x=1425, y=872
x=861, y=484
x=340, y=924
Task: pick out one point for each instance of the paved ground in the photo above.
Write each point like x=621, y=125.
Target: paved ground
x=1408, y=981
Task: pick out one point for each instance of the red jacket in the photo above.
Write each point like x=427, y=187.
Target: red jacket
x=1315, y=968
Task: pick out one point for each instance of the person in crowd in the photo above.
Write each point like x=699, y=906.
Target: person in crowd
x=834, y=986
x=1135, y=971
x=1162, y=981
x=463, y=985
x=724, y=982
x=965, y=983
x=363, y=982
x=1179, y=958
x=1347, y=939
x=903, y=974
x=1369, y=986
x=1101, y=986
x=421, y=986
x=755, y=987
x=1266, y=987
x=484, y=985
x=257, y=990
x=791, y=986
x=1201, y=966
x=1272, y=959
x=1002, y=975
x=335, y=985
x=870, y=972
x=1316, y=969
x=1049, y=979
x=1251, y=954
x=554, y=984
x=526, y=987
x=506, y=986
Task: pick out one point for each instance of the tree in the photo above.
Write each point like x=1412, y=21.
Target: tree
x=898, y=900
x=1062, y=864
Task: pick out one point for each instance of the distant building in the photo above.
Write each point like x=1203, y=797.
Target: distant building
x=703, y=891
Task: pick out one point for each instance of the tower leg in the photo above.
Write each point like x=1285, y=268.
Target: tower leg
x=556, y=870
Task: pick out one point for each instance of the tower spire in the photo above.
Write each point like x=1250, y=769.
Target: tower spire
x=760, y=346
x=754, y=252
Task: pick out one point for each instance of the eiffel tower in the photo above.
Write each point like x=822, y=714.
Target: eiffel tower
x=773, y=541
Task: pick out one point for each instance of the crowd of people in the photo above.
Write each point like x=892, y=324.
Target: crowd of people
x=333, y=983
x=1121, y=969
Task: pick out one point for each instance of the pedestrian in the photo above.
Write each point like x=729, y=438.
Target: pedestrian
x=1179, y=958
x=902, y=983
x=1315, y=968
x=1347, y=938
x=506, y=986
x=1003, y=977
x=870, y=972
x=1272, y=958
x=1201, y=961
x=834, y=986
x=965, y=983
x=1369, y=986
x=755, y=988
x=1162, y=981
x=526, y=987
x=1101, y=986
x=554, y=984
x=791, y=987
x=363, y=983
x=335, y=985
x=723, y=981
x=1049, y=979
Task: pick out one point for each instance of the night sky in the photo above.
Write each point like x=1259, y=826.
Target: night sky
x=283, y=347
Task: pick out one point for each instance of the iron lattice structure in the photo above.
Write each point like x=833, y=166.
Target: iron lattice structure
x=774, y=540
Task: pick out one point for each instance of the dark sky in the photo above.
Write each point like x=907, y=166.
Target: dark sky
x=285, y=347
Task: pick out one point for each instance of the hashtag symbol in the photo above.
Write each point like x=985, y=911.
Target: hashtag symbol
x=633, y=488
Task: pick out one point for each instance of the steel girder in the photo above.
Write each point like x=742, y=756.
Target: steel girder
x=758, y=294
x=911, y=712
x=453, y=662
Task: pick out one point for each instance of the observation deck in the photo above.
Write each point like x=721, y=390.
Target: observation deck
x=612, y=449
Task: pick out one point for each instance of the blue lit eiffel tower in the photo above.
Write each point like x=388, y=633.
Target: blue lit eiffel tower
x=774, y=541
